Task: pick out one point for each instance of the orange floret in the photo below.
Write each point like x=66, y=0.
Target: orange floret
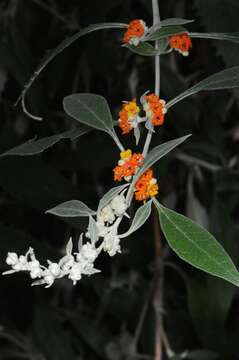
x=128, y=116
x=127, y=165
x=155, y=109
x=146, y=187
x=182, y=43
x=135, y=32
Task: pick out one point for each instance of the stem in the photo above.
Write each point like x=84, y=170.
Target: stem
x=157, y=234
x=147, y=143
x=156, y=21
x=118, y=143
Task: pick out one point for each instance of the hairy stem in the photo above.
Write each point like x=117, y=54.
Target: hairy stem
x=156, y=20
x=118, y=143
x=147, y=143
x=157, y=302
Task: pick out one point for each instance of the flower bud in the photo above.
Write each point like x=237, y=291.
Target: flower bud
x=118, y=204
x=107, y=214
x=12, y=258
x=112, y=244
x=49, y=280
x=54, y=269
x=88, y=252
x=36, y=273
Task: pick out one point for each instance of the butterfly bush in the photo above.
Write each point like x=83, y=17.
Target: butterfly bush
x=134, y=168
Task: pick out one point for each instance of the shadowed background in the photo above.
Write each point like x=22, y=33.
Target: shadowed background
x=110, y=315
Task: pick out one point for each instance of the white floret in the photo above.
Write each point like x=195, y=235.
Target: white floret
x=112, y=244
x=107, y=214
x=88, y=252
x=54, y=269
x=118, y=204
x=12, y=259
x=75, y=273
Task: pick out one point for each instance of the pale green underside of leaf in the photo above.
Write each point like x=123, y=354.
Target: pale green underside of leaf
x=110, y=195
x=234, y=36
x=196, y=245
x=33, y=147
x=225, y=79
x=93, y=230
x=146, y=49
x=141, y=215
x=165, y=32
x=91, y=110
x=175, y=21
x=157, y=153
x=72, y=208
x=62, y=46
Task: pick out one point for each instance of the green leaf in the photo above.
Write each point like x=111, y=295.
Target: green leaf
x=72, y=208
x=196, y=245
x=157, y=153
x=225, y=79
x=233, y=36
x=91, y=110
x=175, y=21
x=110, y=195
x=146, y=49
x=141, y=215
x=165, y=32
x=33, y=147
x=62, y=46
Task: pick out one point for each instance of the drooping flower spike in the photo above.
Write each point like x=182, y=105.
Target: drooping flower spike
x=73, y=266
x=181, y=43
x=127, y=165
x=154, y=108
x=128, y=116
x=146, y=187
x=135, y=32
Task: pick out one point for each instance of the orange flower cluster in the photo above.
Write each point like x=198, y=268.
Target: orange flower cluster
x=128, y=115
x=146, y=187
x=135, y=32
x=155, y=109
x=181, y=43
x=127, y=165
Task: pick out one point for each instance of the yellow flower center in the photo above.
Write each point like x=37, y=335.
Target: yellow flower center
x=125, y=154
x=132, y=108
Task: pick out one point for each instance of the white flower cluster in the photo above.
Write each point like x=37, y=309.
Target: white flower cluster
x=110, y=213
x=74, y=265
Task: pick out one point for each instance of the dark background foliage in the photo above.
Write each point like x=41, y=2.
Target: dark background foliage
x=111, y=315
